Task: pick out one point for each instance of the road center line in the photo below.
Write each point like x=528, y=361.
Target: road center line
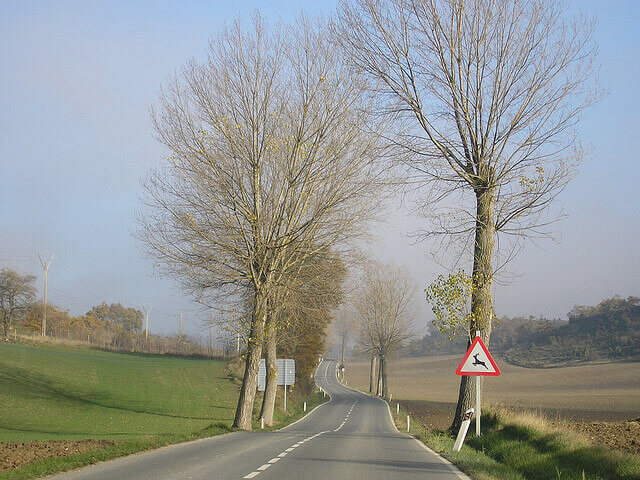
x=264, y=467
x=252, y=474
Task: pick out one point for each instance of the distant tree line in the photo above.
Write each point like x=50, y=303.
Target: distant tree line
x=609, y=331
x=110, y=326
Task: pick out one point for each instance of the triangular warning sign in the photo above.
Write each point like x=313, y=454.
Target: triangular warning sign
x=478, y=361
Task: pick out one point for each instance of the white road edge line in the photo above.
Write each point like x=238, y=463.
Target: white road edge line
x=451, y=466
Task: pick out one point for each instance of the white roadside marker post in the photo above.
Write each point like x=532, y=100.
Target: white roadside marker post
x=408, y=423
x=262, y=423
x=397, y=408
x=305, y=406
x=464, y=426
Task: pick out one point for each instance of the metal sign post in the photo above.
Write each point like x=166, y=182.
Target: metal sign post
x=478, y=406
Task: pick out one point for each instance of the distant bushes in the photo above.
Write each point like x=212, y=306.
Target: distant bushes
x=609, y=331
x=111, y=327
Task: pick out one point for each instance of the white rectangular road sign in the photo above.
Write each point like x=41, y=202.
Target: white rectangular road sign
x=286, y=373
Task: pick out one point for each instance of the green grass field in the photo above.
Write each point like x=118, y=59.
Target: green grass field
x=50, y=393
x=140, y=401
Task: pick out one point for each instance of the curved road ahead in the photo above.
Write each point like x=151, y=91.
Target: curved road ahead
x=350, y=437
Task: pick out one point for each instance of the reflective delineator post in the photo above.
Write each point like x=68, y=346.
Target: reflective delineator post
x=305, y=406
x=408, y=423
x=397, y=408
x=262, y=423
x=462, y=433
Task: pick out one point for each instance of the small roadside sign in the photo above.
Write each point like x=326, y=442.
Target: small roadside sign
x=286, y=373
x=478, y=361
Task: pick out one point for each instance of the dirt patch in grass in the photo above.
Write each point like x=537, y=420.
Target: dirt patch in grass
x=622, y=436
x=17, y=454
x=433, y=415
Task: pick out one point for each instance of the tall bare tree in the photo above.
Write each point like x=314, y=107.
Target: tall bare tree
x=344, y=329
x=385, y=313
x=17, y=292
x=488, y=92
x=267, y=150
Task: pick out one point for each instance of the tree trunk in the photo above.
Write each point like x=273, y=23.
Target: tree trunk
x=481, y=301
x=372, y=374
x=247, y=397
x=271, y=387
x=379, y=382
x=383, y=374
x=5, y=326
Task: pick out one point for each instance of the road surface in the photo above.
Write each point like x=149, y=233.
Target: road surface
x=350, y=437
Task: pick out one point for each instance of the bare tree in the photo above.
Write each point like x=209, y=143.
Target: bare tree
x=385, y=313
x=17, y=292
x=488, y=93
x=267, y=150
x=302, y=302
x=344, y=328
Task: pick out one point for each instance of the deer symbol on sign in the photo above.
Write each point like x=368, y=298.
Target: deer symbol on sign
x=479, y=362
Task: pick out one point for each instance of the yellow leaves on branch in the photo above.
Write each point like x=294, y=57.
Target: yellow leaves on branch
x=450, y=299
x=533, y=184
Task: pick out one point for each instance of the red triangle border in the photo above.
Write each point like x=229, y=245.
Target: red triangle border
x=486, y=351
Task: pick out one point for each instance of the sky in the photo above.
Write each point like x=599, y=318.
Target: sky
x=77, y=80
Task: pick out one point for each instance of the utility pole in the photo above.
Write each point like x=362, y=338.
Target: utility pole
x=45, y=267
x=146, y=312
x=180, y=329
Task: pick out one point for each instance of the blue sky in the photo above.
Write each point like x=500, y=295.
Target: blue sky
x=76, y=83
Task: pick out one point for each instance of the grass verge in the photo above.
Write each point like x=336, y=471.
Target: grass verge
x=141, y=401
x=50, y=466
x=524, y=446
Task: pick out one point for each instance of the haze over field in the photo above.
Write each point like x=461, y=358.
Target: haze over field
x=76, y=84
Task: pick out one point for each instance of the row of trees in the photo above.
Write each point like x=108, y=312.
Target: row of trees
x=271, y=175
x=279, y=143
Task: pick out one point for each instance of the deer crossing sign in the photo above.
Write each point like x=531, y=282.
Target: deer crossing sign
x=478, y=361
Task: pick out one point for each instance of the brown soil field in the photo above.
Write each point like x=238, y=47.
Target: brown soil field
x=589, y=393
x=16, y=454
x=600, y=402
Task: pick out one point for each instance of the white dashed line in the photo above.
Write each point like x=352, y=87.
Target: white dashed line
x=274, y=460
x=264, y=467
x=252, y=474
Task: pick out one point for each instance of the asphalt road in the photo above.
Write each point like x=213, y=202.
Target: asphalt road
x=350, y=437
